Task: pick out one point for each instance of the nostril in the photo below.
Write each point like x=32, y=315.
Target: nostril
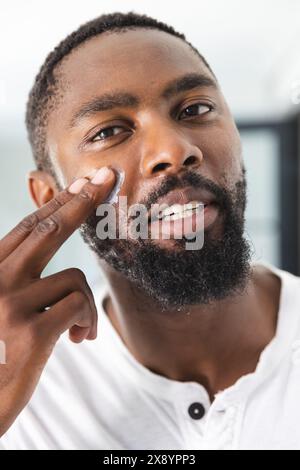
x=190, y=160
x=160, y=167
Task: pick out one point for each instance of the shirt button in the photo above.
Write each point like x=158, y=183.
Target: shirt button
x=196, y=410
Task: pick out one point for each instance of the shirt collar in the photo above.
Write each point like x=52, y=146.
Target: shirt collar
x=274, y=352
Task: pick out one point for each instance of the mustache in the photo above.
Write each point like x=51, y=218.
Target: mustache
x=189, y=178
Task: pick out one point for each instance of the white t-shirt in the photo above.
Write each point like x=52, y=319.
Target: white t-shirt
x=96, y=395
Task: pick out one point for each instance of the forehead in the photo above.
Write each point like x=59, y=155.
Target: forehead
x=137, y=60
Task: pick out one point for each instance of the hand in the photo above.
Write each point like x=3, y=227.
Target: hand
x=35, y=311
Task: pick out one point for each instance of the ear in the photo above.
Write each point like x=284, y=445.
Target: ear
x=42, y=187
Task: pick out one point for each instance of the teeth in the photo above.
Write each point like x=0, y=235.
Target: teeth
x=178, y=211
x=179, y=215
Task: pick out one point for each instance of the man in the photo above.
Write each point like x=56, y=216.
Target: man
x=197, y=349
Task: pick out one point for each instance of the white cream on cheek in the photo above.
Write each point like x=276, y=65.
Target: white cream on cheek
x=52, y=152
x=112, y=198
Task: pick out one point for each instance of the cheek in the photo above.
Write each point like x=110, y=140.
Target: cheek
x=224, y=155
x=70, y=162
x=69, y=167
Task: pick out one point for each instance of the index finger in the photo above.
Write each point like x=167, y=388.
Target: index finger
x=21, y=231
x=37, y=249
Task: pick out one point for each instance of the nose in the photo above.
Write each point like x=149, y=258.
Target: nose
x=168, y=152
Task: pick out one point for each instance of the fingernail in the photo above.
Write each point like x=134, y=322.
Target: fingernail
x=101, y=175
x=77, y=186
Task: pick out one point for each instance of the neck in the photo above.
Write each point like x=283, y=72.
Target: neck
x=211, y=344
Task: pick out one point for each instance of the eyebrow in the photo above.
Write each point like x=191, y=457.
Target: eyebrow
x=119, y=99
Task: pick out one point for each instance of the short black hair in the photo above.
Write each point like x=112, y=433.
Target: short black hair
x=46, y=86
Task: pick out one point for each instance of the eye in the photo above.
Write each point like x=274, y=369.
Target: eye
x=106, y=133
x=196, y=109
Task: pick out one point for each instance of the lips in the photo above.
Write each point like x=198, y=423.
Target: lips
x=181, y=196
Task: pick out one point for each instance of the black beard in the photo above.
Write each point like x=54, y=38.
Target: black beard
x=178, y=278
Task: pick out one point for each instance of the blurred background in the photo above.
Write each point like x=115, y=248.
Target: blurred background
x=254, y=49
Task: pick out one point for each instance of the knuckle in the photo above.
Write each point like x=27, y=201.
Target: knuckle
x=56, y=203
x=60, y=200
x=48, y=225
x=78, y=300
x=88, y=194
x=28, y=223
x=78, y=276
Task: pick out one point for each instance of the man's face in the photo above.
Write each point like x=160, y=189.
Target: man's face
x=166, y=134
